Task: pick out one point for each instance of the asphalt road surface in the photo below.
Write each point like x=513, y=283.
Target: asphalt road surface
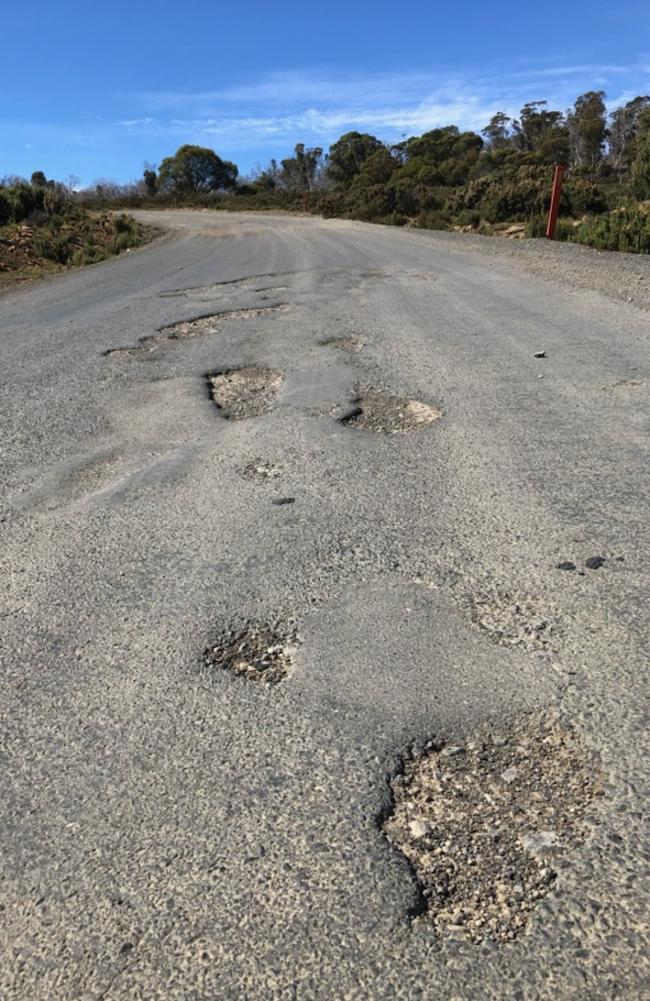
x=174, y=831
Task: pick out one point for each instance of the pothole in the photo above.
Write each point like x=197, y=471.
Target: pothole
x=200, y=326
x=262, y=652
x=377, y=411
x=517, y=621
x=486, y=826
x=230, y=283
x=351, y=344
x=245, y=392
x=260, y=469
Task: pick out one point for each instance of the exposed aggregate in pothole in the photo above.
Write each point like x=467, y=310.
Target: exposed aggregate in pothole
x=517, y=620
x=208, y=324
x=262, y=469
x=245, y=392
x=200, y=326
x=262, y=652
x=378, y=411
x=351, y=343
x=488, y=825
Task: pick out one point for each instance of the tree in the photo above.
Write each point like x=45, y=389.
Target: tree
x=498, y=131
x=588, y=128
x=150, y=179
x=348, y=155
x=196, y=170
x=623, y=129
x=641, y=163
x=38, y=179
x=265, y=178
x=300, y=171
x=543, y=132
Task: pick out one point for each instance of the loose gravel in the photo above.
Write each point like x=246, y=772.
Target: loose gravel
x=488, y=825
x=623, y=277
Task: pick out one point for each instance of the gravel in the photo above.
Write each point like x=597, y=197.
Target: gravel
x=624, y=277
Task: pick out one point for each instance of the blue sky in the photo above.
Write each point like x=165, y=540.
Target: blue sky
x=96, y=89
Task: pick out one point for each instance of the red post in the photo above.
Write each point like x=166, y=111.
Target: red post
x=558, y=178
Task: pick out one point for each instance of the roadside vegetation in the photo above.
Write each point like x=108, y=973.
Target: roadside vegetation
x=497, y=181
x=44, y=228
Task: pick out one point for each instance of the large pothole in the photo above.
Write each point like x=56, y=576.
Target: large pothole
x=208, y=324
x=375, y=410
x=261, y=652
x=486, y=826
x=200, y=326
x=245, y=392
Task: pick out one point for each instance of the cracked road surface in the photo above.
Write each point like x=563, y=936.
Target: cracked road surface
x=173, y=831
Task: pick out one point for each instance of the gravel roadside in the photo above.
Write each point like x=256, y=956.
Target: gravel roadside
x=622, y=277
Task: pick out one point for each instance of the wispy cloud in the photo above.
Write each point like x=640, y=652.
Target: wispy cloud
x=318, y=105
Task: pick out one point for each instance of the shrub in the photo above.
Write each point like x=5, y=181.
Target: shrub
x=57, y=247
x=583, y=197
x=625, y=229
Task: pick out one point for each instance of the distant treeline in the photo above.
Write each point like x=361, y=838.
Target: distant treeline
x=446, y=178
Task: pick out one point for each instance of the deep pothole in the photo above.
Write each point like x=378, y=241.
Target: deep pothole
x=261, y=652
x=488, y=825
x=375, y=410
x=245, y=392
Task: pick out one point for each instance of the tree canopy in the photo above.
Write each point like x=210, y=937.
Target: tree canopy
x=196, y=170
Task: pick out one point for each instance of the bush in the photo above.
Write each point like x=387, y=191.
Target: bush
x=433, y=220
x=626, y=229
x=582, y=197
x=57, y=247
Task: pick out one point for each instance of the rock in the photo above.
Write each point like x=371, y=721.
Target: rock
x=540, y=354
x=420, y=828
x=451, y=749
x=539, y=844
x=595, y=562
x=567, y=565
x=509, y=775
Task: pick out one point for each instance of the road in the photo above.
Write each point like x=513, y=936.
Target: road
x=177, y=831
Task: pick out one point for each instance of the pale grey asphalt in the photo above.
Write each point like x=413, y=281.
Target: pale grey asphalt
x=169, y=834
